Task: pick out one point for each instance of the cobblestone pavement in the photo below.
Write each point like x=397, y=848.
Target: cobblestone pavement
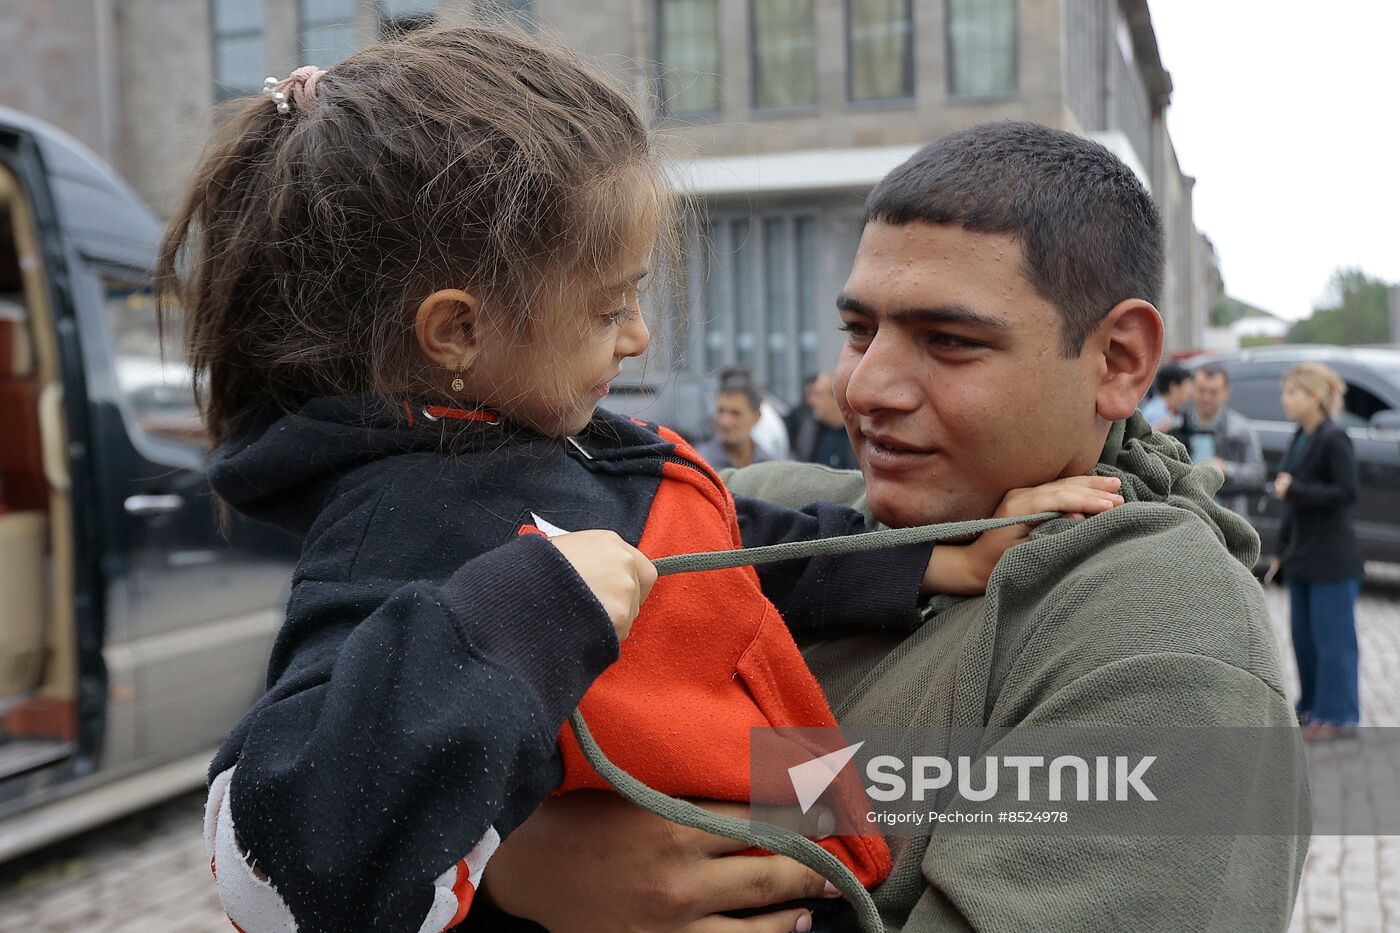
x=145, y=874
x=1352, y=883
x=148, y=873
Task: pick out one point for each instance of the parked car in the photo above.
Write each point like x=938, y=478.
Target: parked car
x=132, y=634
x=1371, y=417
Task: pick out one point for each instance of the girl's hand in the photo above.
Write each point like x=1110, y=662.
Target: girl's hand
x=964, y=571
x=618, y=574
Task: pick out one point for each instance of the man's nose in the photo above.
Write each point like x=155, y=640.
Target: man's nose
x=883, y=379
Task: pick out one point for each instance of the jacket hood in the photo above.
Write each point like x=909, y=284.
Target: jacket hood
x=281, y=469
x=1156, y=468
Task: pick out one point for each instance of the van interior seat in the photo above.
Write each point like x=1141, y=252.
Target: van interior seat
x=24, y=528
x=21, y=445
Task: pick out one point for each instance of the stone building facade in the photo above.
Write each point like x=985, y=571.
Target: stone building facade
x=780, y=115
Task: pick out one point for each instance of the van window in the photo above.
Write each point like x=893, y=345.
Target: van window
x=157, y=387
x=1360, y=405
x=1258, y=398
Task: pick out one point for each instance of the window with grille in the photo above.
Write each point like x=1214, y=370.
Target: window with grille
x=784, y=54
x=239, y=60
x=327, y=31
x=688, y=56
x=880, y=49
x=981, y=42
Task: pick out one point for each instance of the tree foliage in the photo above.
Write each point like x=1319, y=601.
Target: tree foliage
x=1354, y=312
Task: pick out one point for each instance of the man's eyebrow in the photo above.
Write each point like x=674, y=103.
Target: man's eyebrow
x=939, y=314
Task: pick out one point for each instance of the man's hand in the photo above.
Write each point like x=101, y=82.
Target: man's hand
x=590, y=862
x=1222, y=465
x=964, y=571
x=1281, y=484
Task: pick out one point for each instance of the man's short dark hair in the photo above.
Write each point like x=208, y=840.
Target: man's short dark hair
x=746, y=389
x=1171, y=375
x=1214, y=370
x=1091, y=233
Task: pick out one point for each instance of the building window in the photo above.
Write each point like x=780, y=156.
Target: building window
x=810, y=304
x=521, y=12
x=880, y=45
x=239, y=62
x=755, y=281
x=981, y=38
x=400, y=16
x=784, y=54
x=688, y=56
x=327, y=31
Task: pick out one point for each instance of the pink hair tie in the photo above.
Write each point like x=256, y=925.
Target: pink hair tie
x=300, y=86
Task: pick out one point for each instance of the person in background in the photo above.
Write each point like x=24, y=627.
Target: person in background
x=736, y=415
x=1163, y=410
x=819, y=433
x=1222, y=437
x=1318, y=552
x=800, y=413
x=771, y=432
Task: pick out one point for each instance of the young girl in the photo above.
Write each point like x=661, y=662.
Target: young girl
x=409, y=282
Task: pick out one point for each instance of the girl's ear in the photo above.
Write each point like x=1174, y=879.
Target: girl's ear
x=446, y=326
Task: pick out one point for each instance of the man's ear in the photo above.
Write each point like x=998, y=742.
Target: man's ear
x=446, y=325
x=1129, y=340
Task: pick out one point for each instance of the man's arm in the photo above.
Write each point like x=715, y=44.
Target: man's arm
x=795, y=484
x=1246, y=475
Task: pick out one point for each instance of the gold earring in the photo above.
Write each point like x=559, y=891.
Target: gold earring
x=458, y=384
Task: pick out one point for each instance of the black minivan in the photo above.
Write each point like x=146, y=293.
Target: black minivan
x=132, y=633
x=1371, y=417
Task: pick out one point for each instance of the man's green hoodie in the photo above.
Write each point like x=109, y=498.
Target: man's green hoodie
x=1144, y=616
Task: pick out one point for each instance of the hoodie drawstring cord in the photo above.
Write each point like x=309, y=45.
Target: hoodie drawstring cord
x=772, y=838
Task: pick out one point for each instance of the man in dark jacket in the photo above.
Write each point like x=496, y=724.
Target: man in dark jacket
x=1216, y=434
x=818, y=433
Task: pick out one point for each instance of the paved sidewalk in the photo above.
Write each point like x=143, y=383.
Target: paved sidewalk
x=1352, y=883
x=148, y=873
x=145, y=874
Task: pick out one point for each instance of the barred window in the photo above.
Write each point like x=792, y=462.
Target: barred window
x=327, y=31
x=239, y=61
x=880, y=46
x=784, y=54
x=688, y=56
x=981, y=41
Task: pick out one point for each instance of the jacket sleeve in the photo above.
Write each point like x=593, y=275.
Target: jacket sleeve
x=1285, y=533
x=1340, y=486
x=1245, y=475
x=409, y=727
x=866, y=591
